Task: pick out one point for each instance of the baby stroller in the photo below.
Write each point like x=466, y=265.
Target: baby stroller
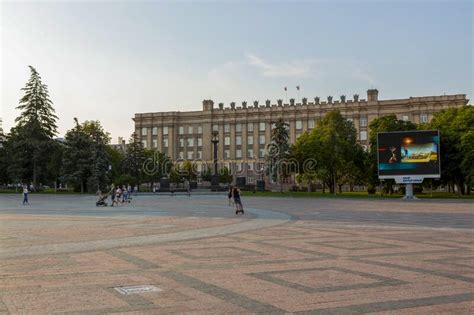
x=101, y=202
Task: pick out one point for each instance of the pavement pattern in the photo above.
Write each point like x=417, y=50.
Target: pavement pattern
x=61, y=254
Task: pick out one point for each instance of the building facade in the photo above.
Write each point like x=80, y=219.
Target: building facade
x=245, y=130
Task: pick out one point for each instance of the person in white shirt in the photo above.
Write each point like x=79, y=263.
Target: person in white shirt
x=25, y=195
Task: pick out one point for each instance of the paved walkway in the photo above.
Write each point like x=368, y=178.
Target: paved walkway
x=62, y=254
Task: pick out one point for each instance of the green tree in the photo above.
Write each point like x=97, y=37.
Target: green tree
x=30, y=141
x=278, y=152
x=225, y=175
x=382, y=124
x=456, y=128
x=135, y=157
x=332, y=144
x=86, y=160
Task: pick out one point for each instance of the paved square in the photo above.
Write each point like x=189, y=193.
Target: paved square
x=62, y=254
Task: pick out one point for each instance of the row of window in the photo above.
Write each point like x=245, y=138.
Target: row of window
x=238, y=154
x=261, y=126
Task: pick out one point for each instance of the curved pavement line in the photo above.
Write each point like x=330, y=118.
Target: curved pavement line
x=265, y=219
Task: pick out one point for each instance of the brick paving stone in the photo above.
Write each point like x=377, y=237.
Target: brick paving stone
x=64, y=255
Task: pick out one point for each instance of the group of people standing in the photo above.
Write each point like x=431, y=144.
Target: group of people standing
x=234, y=197
x=119, y=195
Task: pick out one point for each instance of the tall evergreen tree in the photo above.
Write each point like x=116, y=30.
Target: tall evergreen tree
x=278, y=152
x=31, y=139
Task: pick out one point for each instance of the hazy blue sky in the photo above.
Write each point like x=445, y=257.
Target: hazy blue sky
x=109, y=60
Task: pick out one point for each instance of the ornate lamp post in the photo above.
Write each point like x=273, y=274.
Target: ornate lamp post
x=215, y=176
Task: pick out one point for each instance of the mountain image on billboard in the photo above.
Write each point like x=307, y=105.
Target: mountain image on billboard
x=408, y=153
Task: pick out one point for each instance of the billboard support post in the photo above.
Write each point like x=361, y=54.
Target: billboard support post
x=409, y=192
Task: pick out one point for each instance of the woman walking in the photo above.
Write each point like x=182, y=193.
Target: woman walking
x=237, y=201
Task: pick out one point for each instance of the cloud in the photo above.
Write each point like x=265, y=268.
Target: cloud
x=294, y=69
x=242, y=76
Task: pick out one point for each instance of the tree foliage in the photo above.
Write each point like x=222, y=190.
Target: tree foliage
x=86, y=160
x=456, y=127
x=278, y=152
x=332, y=146
x=30, y=142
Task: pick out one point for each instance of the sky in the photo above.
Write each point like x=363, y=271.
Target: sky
x=108, y=60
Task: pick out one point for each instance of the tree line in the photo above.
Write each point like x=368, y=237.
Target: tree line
x=329, y=153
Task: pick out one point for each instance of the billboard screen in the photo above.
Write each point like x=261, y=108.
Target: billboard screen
x=405, y=153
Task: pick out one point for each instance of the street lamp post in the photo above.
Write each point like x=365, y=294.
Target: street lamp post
x=215, y=177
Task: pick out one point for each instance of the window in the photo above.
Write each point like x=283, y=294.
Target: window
x=261, y=153
x=363, y=122
x=154, y=131
x=144, y=143
x=190, y=142
x=190, y=130
x=299, y=125
x=226, y=127
x=181, y=142
x=165, y=142
x=200, y=129
x=190, y=155
x=238, y=140
x=165, y=130
x=250, y=153
x=215, y=127
x=199, y=156
x=405, y=117
x=199, y=142
x=238, y=154
x=250, y=140
x=250, y=127
x=251, y=166
x=272, y=126
x=144, y=131
x=310, y=123
x=250, y=179
x=261, y=139
x=226, y=154
x=181, y=130
x=424, y=118
x=181, y=154
x=226, y=140
x=261, y=126
x=363, y=135
x=155, y=143
x=238, y=127
x=239, y=167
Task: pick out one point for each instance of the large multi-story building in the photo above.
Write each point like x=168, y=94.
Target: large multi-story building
x=244, y=131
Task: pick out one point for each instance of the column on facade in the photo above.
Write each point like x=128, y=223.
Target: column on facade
x=292, y=130
x=207, y=149
x=159, y=138
x=172, y=142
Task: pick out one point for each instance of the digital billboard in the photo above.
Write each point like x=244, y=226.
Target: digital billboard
x=405, y=153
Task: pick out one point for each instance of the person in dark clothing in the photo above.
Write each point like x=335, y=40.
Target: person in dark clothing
x=238, y=203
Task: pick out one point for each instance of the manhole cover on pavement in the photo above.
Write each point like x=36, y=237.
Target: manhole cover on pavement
x=138, y=289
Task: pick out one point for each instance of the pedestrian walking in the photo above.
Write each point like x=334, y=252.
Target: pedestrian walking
x=188, y=188
x=25, y=195
x=238, y=203
x=230, y=196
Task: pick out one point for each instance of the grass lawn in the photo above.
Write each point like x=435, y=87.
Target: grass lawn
x=362, y=194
